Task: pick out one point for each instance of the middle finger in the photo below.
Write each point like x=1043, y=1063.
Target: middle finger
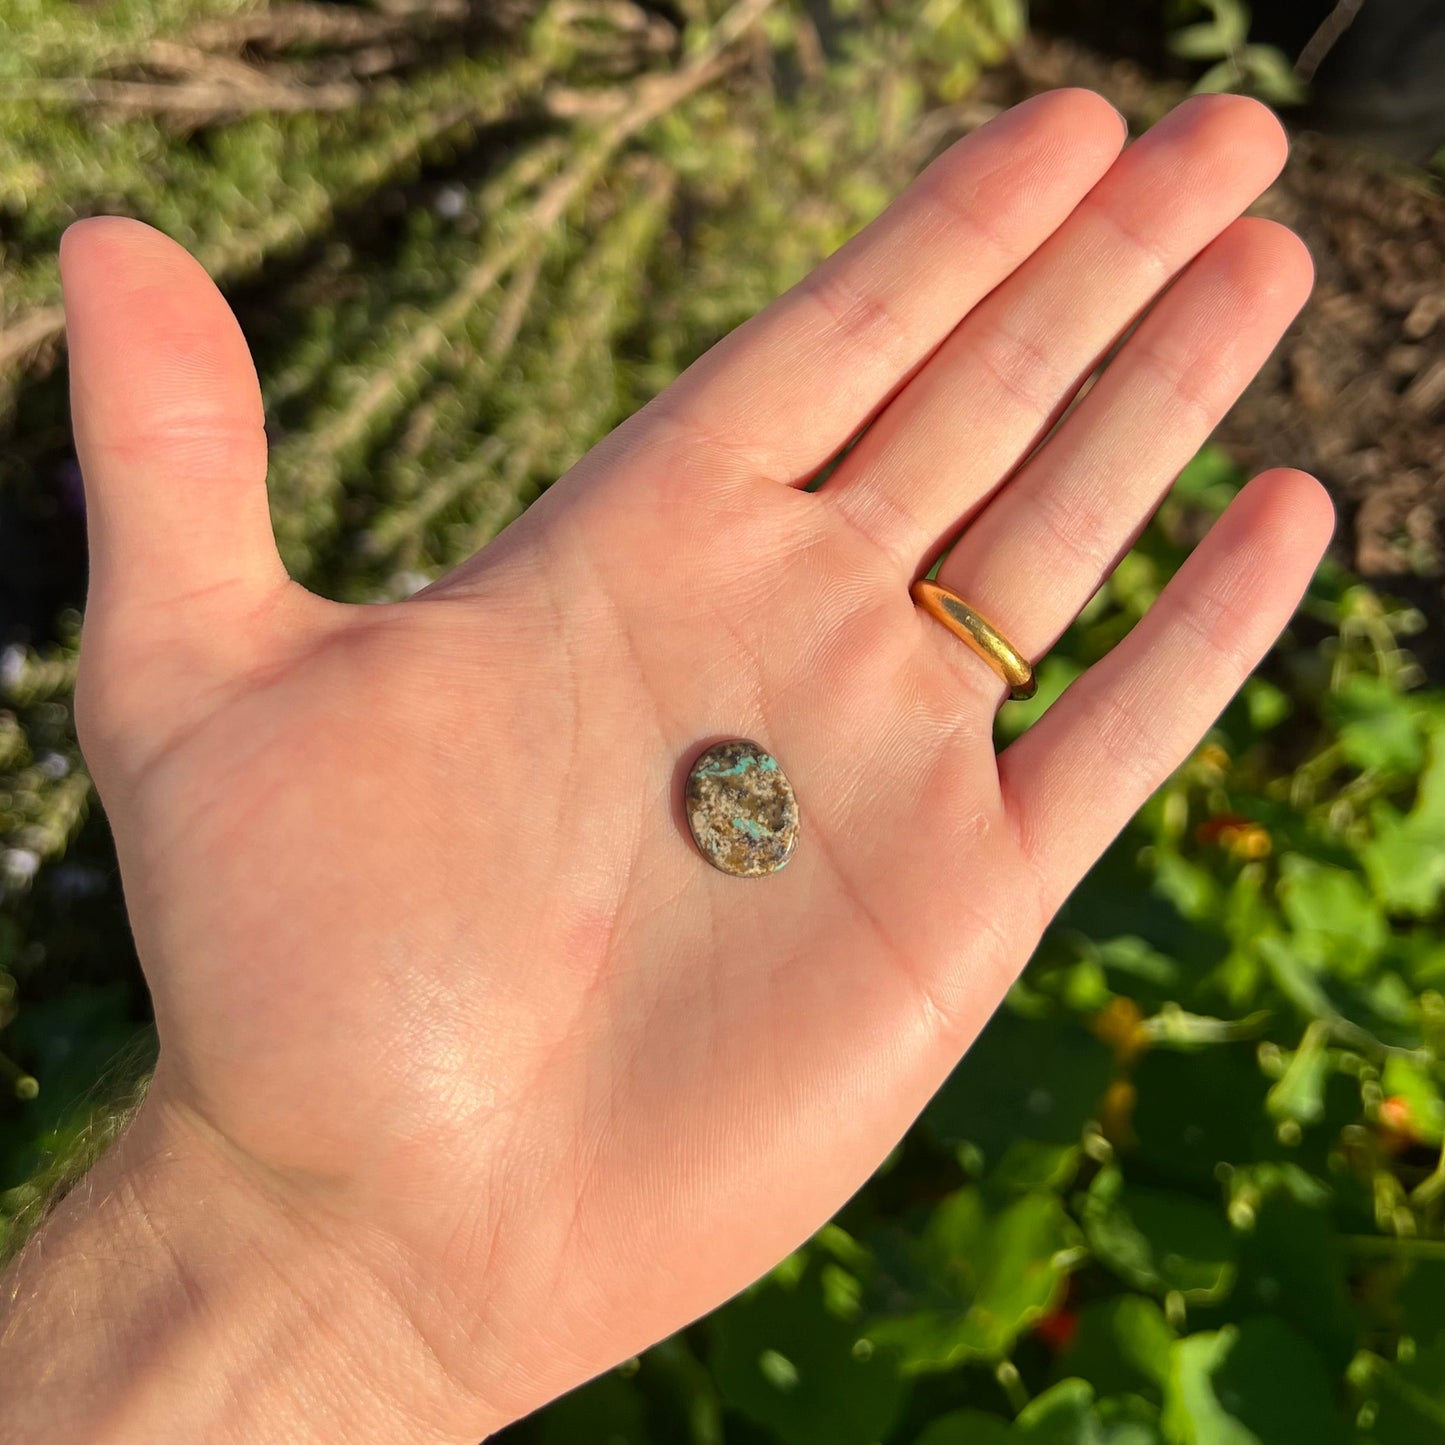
x=1007, y=372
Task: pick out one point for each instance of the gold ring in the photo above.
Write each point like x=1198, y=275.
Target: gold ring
x=980, y=634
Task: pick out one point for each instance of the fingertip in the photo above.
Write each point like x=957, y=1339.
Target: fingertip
x=1287, y=247
x=1264, y=123
x=1311, y=496
x=1070, y=119
x=78, y=243
x=1225, y=108
x=1237, y=125
x=121, y=275
x=152, y=341
x=1295, y=507
x=1266, y=261
x=102, y=241
x=1083, y=111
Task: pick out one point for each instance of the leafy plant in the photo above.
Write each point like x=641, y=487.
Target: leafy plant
x=1234, y=61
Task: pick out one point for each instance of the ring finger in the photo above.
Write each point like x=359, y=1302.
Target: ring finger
x=1046, y=542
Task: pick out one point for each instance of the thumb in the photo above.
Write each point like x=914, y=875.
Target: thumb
x=168, y=426
x=169, y=432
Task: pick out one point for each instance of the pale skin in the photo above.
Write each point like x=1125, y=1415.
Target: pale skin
x=474, y=1077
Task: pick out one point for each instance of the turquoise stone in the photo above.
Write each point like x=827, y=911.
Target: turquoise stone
x=741, y=809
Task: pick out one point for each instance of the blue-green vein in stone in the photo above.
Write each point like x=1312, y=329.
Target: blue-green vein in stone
x=764, y=763
x=753, y=828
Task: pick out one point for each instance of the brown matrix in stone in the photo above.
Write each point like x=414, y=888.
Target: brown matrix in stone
x=741, y=809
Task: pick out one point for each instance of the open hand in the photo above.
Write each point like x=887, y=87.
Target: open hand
x=446, y=995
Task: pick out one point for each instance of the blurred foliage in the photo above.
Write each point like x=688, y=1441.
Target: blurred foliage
x=1216, y=33
x=1188, y=1187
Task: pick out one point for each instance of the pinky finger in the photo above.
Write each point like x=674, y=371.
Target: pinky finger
x=1081, y=772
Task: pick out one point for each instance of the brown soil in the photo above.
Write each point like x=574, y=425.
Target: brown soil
x=1356, y=391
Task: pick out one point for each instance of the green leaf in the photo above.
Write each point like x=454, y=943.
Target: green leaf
x=1420, y=1300
x=1377, y=726
x=1206, y=41
x=1121, y=1346
x=1299, y=1093
x=1199, y=1110
x=1219, y=78
x=1028, y=1167
x=1265, y=704
x=1121, y=1428
x=683, y=1401
x=1192, y=888
x=1067, y=1413
x=1159, y=1241
x=1232, y=17
x=1334, y=917
x=1031, y=1247
x=1405, y=860
x=991, y=1277
x=1038, y=1079
x=1409, y=1400
x=1120, y=898
x=1420, y=1090
x=786, y=1362
x=1062, y=1415
x=1272, y=75
x=1290, y=1267
x=1405, y=863
x=1295, y=979
x=1139, y=968
x=1009, y=18
x=607, y=1411
x=968, y=1427
x=1173, y=1028
x=1256, y=1383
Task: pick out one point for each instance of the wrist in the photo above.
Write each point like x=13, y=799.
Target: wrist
x=173, y=1295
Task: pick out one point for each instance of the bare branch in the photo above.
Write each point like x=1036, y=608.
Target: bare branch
x=208, y=99
x=1326, y=37
x=283, y=27
x=28, y=333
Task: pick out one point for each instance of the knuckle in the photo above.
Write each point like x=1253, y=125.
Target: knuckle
x=1076, y=525
x=1133, y=751
x=1135, y=238
x=944, y=211
x=1021, y=367
x=861, y=317
x=1179, y=378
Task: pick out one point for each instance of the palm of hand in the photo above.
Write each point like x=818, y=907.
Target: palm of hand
x=440, y=901
x=431, y=950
